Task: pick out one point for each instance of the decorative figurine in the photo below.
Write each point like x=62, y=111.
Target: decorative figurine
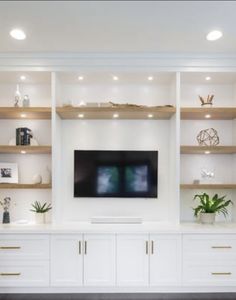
x=6, y=205
x=208, y=137
x=208, y=101
x=17, y=96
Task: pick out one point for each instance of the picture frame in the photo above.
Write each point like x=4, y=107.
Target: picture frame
x=8, y=172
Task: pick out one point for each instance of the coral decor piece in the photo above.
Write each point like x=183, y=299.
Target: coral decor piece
x=207, y=101
x=208, y=137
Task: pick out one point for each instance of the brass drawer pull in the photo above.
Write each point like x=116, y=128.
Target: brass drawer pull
x=152, y=247
x=10, y=274
x=147, y=247
x=9, y=247
x=221, y=247
x=221, y=273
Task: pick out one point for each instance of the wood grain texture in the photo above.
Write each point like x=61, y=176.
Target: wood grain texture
x=162, y=113
x=216, y=113
x=27, y=149
x=207, y=186
x=37, y=113
x=212, y=149
x=24, y=186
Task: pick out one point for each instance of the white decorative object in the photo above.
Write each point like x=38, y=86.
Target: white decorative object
x=8, y=173
x=47, y=178
x=17, y=96
x=40, y=218
x=26, y=101
x=207, y=175
x=37, y=179
x=207, y=218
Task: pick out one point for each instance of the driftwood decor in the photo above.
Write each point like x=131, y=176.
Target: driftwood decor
x=208, y=137
x=128, y=105
x=207, y=101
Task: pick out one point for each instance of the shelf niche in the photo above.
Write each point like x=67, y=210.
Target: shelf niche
x=25, y=186
x=214, y=113
x=25, y=113
x=25, y=149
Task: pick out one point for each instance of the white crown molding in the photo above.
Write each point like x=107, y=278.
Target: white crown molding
x=126, y=61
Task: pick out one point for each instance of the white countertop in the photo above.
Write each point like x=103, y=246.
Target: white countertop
x=145, y=227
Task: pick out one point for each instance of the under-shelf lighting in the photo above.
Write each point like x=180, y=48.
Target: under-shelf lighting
x=208, y=78
x=23, y=152
x=150, y=116
x=214, y=35
x=150, y=78
x=22, y=77
x=23, y=115
x=80, y=116
x=207, y=152
x=80, y=78
x=18, y=34
x=115, y=116
x=207, y=116
x=115, y=78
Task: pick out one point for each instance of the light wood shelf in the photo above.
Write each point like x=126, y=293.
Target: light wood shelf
x=27, y=113
x=24, y=186
x=216, y=113
x=207, y=186
x=26, y=149
x=138, y=113
x=211, y=149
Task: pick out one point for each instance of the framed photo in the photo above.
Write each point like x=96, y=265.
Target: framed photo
x=8, y=173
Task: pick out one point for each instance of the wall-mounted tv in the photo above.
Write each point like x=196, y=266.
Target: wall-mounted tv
x=126, y=174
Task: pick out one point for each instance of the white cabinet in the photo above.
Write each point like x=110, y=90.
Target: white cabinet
x=132, y=259
x=99, y=259
x=165, y=259
x=66, y=260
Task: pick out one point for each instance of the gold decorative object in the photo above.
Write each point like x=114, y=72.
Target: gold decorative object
x=208, y=137
x=207, y=101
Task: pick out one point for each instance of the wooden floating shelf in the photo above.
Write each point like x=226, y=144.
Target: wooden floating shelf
x=25, y=149
x=136, y=113
x=208, y=186
x=208, y=149
x=27, y=113
x=215, y=113
x=24, y=186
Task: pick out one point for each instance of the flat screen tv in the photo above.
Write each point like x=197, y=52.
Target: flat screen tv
x=126, y=174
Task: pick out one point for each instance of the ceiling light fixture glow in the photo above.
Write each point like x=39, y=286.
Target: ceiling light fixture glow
x=18, y=34
x=214, y=35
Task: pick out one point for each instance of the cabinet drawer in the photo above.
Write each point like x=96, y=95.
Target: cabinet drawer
x=211, y=274
x=24, y=273
x=24, y=247
x=209, y=247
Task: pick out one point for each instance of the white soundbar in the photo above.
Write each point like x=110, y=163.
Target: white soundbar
x=116, y=220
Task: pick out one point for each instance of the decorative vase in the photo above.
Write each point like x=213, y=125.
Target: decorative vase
x=39, y=218
x=207, y=218
x=6, y=217
x=37, y=179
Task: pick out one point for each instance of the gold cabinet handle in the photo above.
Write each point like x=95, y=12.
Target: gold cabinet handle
x=147, y=247
x=152, y=247
x=221, y=273
x=85, y=247
x=9, y=247
x=221, y=247
x=10, y=274
x=79, y=247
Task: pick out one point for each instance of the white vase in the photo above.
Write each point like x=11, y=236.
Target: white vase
x=40, y=218
x=207, y=218
x=37, y=179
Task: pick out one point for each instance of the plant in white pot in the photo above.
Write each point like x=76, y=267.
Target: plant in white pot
x=40, y=211
x=209, y=206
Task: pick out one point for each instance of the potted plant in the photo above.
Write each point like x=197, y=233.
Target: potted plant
x=40, y=211
x=209, y=206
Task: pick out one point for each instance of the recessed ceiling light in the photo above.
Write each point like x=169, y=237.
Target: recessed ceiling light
x=207, y=116
x=150, y=78
x=22, y=77
x=115, y=78
x=214, y=35
x=23, y=152
x=207, y=152
x=80, y=78
x=150, y=116
x=115, y=115
x=80, y=115
x=208, y=78
x=17, y=34
x=23, y=115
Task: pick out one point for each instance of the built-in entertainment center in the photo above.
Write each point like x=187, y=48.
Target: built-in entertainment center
x=117, y=154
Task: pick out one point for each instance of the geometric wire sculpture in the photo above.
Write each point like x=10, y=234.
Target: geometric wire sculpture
x=207, y=101
x=208, y=137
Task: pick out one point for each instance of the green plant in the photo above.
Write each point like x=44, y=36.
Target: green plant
x=40, y=208
x=215, y=204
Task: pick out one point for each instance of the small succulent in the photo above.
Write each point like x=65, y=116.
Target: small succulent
x=6, y=203
x=40, y=208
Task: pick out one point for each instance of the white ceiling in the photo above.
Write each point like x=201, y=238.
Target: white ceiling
x=118, y=26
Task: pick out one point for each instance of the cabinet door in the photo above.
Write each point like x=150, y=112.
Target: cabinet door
x=66, y=260
x=165, y=259
x=99, y=259
x=132, y=260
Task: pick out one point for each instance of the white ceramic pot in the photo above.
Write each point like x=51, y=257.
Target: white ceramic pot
x=207, y=218
x=39, y=218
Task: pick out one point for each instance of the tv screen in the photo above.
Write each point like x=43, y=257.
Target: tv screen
x=131, y=174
